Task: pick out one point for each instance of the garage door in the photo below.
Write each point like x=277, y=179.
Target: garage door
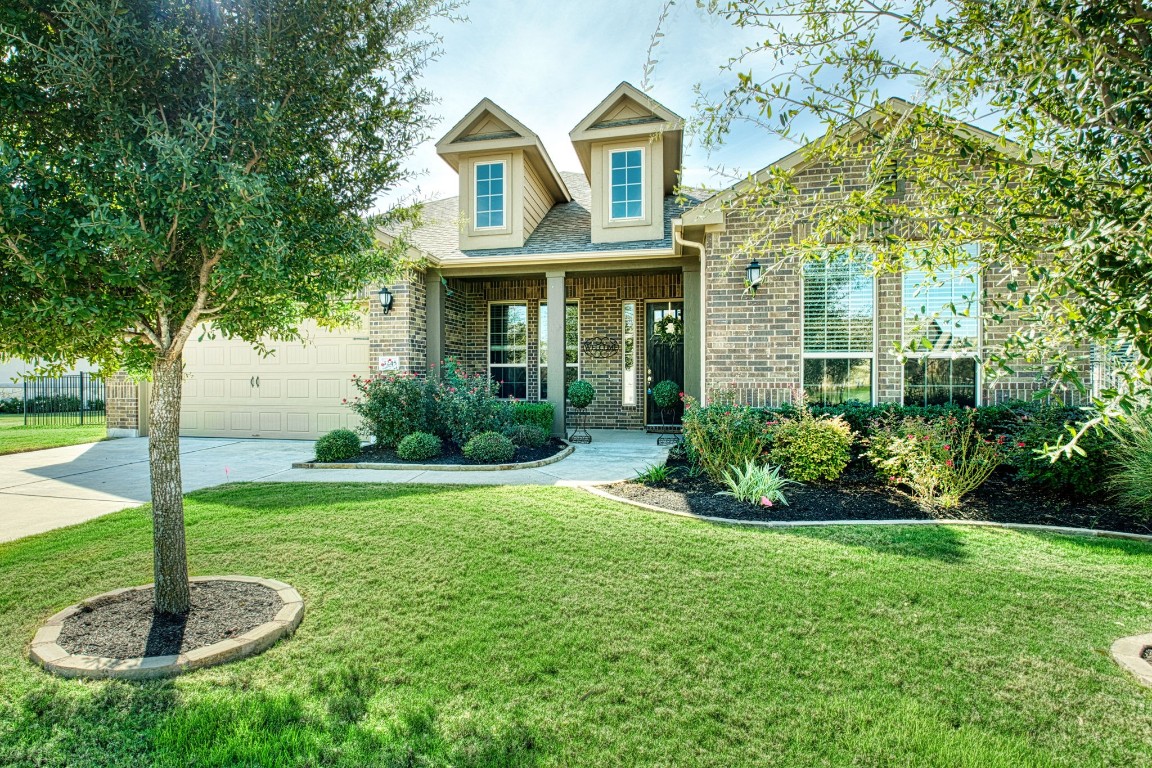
x=295, y=393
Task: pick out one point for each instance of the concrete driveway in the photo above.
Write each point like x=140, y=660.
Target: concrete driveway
x=43, y=490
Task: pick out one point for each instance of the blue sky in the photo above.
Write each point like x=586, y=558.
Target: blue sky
x=549, y=62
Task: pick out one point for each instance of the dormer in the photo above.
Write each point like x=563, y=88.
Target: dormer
x=507, y=180
x=630, y=148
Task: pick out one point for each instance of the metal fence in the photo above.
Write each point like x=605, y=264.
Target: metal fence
x=63, y=400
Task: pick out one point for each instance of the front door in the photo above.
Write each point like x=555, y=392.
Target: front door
x=665, y=354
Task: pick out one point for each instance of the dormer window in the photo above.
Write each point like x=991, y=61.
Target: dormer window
x=490, y=195
x=627, y=184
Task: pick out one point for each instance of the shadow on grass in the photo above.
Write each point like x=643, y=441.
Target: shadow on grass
x=262, y=496
x=162, y=723
x=931, y=542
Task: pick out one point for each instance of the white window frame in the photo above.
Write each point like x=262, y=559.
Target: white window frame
x=503, y=226
x=804, y=355
x=488, y=349
x=643, y=175
x=628, y=394
x=542, y=362
x=977, y=353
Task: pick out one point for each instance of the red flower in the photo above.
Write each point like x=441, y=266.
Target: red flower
x=947, y=447
x=1019, y=445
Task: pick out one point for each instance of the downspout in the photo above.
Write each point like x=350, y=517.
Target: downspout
x=683, y=242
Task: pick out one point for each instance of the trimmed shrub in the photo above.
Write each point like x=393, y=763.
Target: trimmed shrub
x=1132, y=475
x=1078, y=473
x=420, y=446
x=490, y=448
x=581, y=394
x=666, y=394
x=391, y=406
x=723, y=434
x=536, y=414
x=939, y=461
x=338, y=445
x=526, y=435
x=811, y=448
x=464, y=405
x=756, y=484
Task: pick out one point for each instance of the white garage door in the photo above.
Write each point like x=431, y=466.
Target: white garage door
x=295, y=393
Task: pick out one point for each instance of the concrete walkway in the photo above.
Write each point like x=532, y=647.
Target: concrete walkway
x=43, y=490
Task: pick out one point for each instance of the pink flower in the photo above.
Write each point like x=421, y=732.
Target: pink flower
x=1019, y=445
x=765, y=501
x=947, y=447
x=948, y=463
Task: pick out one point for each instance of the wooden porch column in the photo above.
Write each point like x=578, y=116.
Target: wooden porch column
x=435, y=321
x=556, y=313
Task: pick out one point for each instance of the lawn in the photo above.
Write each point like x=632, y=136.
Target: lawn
x=457, y=626
x=17, y=438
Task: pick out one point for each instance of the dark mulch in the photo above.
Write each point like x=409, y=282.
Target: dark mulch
x=859, y=495
x=453, y=456
x=125, y=626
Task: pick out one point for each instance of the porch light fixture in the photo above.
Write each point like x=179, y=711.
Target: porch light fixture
x=385, y=299
x=752, y=276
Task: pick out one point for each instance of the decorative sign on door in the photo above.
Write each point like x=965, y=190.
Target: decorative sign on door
x=389, y=363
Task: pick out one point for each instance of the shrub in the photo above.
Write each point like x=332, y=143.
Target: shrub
x=526, y=435
x=811, y=448
x=939, y=461
x=1132, y=477
x=581, y=394
x=1077, y=473
x=666, y=394
x=723, y=434
x=11, y=405
x=420, y=446
x=490, y=448
x=338, y=445
x=756, y=484
x=391, y=406
x=464, y=405
x=536, y=414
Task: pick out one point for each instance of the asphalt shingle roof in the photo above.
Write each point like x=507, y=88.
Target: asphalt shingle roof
x=567, y=228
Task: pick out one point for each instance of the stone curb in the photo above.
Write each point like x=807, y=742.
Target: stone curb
x=48, y=654
x=1128, y=653
x=1091, y=532
x=565, y=453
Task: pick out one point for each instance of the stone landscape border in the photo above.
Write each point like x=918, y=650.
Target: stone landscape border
x=48, y=654
x=563, y=454
x=1129, y=654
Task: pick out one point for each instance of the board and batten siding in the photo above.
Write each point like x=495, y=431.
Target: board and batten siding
x=537, y=201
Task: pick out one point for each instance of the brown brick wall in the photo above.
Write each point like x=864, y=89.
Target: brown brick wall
x=403, y=332
x=122, y=403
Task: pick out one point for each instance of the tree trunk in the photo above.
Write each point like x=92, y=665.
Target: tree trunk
x=170, y=563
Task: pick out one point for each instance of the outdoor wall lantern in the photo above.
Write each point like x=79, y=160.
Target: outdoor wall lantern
x=752, y=273
x=385, y=299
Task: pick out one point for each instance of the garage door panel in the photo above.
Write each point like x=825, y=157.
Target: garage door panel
x=298, y=423
x=298, y=388
x=270, y=421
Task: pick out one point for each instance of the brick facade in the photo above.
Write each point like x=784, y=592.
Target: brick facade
x=122, y=406
x=403, y=332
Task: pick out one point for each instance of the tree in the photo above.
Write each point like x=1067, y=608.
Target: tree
x=1063, y=200
x=168, y=166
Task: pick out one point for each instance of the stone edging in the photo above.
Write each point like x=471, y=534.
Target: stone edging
x=1128, y=653
x=823, y=523
x=563, y=454
x=56, y=660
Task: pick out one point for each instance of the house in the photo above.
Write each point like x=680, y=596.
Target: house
x=538, y=276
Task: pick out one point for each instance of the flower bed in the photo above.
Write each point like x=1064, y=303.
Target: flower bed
x=452, y=456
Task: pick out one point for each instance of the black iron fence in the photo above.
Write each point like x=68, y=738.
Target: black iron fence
x=60, y=401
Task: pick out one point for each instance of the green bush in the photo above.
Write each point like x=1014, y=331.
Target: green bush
x=338, y=445
x=1132, y=470
x=1078, y=473
x=939, y=461
x=812, y=448
x=391, y=406
x=11, y=405
x=536, y=414
x=464, y=405
x=420, y=446
x=526, y=435
x=756, y=484
x=723, y=434
x=581, y=394
x=666, y=394
x=490, y=448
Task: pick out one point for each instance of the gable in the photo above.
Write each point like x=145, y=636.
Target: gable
x=626, y=111
x=488, y=126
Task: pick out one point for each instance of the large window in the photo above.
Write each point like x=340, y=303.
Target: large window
x=629, y=348
x=489, y=195
x=627, y=183
x=571, y=346
x=839, y=329
x=942, y=334
x=508, y=349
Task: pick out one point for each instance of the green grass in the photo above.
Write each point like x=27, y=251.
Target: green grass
x=17, y=438
x=457, y=626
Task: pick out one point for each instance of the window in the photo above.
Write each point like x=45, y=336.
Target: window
x=508, y=349
x=627, y=183
x=489, y=195
x=571, y=346
x=629, y=349
x=942, y=333
x=839, y=329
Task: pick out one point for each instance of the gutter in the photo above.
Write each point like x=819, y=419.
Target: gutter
x=683, y=242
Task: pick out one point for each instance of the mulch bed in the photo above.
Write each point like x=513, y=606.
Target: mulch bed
x=125, y=627
x=859, y=495
x=453, y=456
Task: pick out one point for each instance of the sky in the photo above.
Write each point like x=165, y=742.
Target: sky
x=550, y=62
